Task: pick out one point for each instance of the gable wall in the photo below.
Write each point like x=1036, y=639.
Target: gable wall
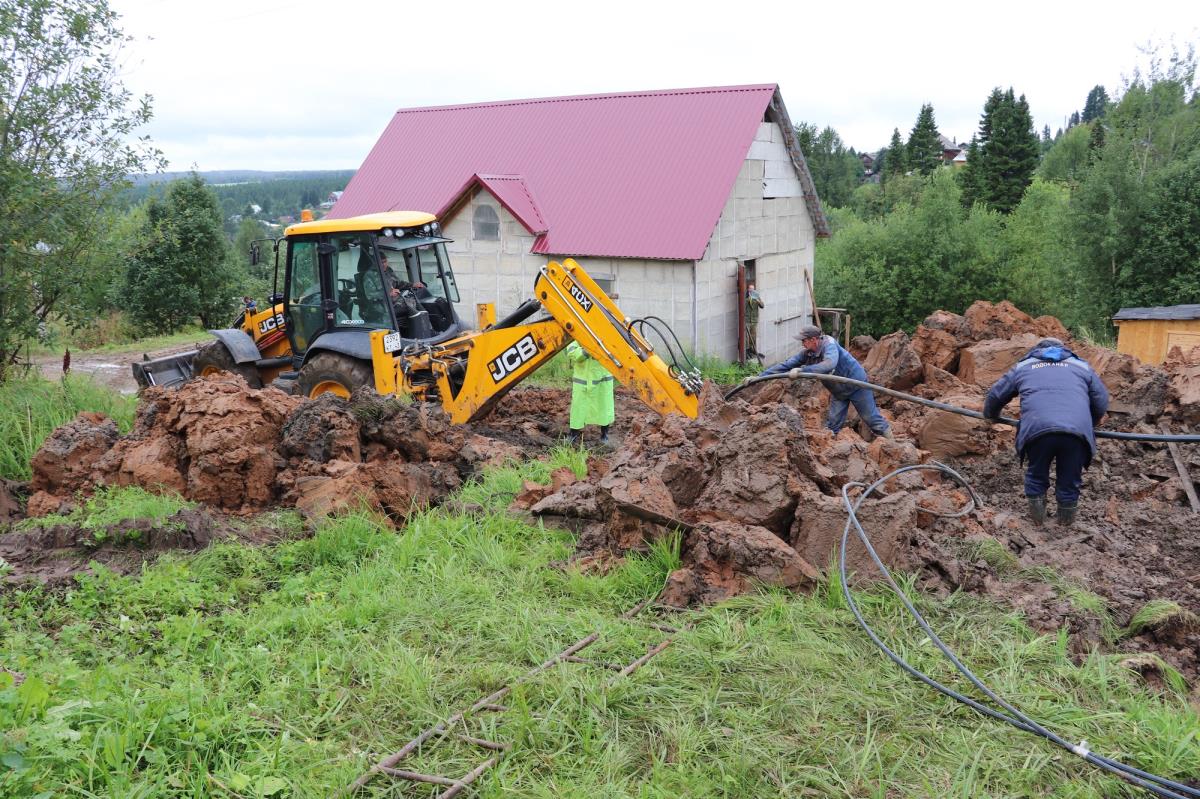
x=503, y=272
x=765, y=219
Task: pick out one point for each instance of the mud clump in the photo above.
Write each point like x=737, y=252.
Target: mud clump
x=12, y=493
x=894, y=362
x=54, y=554
x=65, y=459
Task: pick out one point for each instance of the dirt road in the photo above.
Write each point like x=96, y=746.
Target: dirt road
x=111, y=369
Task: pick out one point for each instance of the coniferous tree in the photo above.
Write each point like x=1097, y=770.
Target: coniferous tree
x=1096, y=105
x=836, y=171
x=1047, y=142
x=969, y=177
x=1096, y=140
x=924, y=147
x=894, y=165
x=1074, y=120
x=1006, y=153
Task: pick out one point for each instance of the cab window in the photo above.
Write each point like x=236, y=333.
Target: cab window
x=304, y=299
x=431, y=259
x=358, y=282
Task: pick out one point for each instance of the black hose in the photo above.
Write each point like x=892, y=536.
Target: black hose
x=942, y=406
x=650, y=322
x=1159, y=786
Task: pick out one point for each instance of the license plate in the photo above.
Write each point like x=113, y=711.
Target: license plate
x=392, y=342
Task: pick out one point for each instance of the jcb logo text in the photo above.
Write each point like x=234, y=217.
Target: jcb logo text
x=270, y=323
x=512, y=358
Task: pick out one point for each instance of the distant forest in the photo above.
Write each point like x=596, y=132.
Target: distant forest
x=277, y=194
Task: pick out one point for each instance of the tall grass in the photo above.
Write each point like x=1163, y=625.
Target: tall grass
x=32, y=407
x=286, y=671
x=112, y=332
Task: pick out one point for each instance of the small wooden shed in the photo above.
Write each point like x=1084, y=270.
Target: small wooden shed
x=1148, y=334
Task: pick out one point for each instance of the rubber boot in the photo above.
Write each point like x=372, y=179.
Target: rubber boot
x=576, y=438
x=1066, y=514
x=1037, y=510
x=604, y=434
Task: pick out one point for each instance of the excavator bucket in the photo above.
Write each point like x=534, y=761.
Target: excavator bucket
x=170, y=370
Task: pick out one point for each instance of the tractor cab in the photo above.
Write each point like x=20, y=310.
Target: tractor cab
x=347, y=277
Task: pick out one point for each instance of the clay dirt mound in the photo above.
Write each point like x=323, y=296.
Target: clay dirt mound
x=738, y=482
x=753, y=489
x=241, y=450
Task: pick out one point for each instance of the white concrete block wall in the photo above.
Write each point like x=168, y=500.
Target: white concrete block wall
x=765, y=219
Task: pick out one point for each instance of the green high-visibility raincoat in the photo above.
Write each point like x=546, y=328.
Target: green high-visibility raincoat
x=591, y=389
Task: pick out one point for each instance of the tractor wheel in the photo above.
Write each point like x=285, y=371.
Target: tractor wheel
x=215, y=357
x=331, y=372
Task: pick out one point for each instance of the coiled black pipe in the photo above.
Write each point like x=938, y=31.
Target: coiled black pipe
x=1159, y=786
x=941, y=406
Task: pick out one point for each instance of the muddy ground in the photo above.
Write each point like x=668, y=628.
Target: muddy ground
x=112, y=370
x=753, y=486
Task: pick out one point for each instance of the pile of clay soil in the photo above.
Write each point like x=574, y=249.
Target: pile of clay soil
x=753, y=487
x=239, y=451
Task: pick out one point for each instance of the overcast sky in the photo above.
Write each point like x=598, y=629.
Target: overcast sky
x=310, y=84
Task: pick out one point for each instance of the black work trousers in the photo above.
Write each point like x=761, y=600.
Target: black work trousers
x=1069, y=453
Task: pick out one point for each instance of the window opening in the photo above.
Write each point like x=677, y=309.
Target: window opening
x=486, y=223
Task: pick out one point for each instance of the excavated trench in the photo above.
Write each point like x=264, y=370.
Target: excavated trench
x=751, y=487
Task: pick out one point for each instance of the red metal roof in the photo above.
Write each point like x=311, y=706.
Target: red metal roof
x=514, y=194
x=635, y=175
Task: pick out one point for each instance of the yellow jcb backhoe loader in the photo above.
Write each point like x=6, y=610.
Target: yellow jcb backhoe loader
x=370, y=301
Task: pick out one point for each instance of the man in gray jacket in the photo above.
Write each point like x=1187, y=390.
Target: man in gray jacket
x=822, y=354
x=1062, y=400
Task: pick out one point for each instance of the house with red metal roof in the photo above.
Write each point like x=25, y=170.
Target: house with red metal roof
x=671, y=200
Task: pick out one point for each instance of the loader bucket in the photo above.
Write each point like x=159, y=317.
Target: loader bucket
x=170, y=370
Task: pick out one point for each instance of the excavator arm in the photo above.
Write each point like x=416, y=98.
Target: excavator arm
x=569, y=294
x=473, y=372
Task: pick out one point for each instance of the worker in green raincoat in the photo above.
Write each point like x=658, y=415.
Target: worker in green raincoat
x=591, y=394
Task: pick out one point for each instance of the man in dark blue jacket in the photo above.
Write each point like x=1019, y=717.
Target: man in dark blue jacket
x=1062, y=400
x=823, y=355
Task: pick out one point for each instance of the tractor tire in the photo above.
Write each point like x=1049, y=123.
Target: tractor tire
x=215, y=357
x=331, y=372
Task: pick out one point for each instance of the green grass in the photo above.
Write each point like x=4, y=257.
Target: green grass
x=1157, y=612
x=992, y=552
x=32, y=407
x=288, y=670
